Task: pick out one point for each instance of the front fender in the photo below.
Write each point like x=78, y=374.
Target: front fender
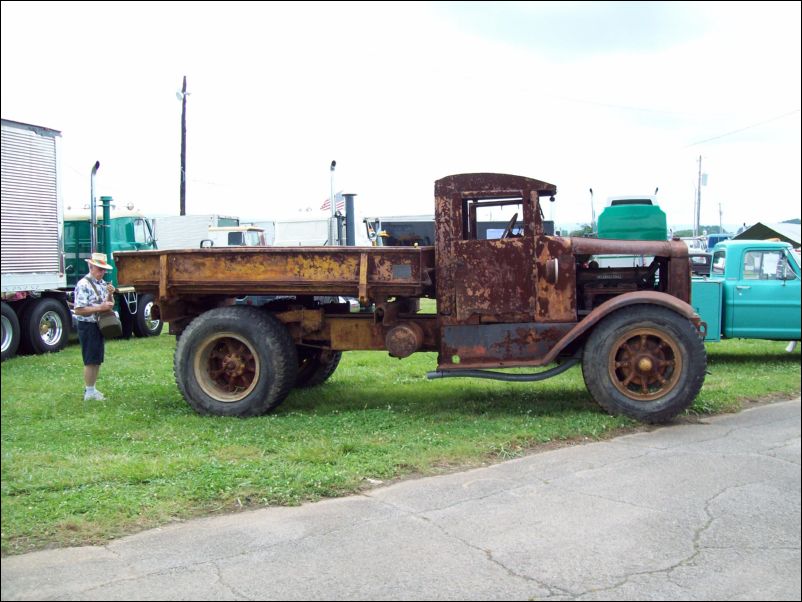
x=619, y=302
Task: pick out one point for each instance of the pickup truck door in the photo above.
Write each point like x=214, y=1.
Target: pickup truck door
x=764, y=302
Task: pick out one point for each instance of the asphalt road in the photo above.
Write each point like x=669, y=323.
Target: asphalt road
x=707, y=511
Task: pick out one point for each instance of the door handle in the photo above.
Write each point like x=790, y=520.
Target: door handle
x=742, y=287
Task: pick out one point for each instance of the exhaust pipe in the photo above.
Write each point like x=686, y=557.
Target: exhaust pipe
x=93, y=210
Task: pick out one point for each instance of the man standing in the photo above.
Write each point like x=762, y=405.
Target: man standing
x=93, y=296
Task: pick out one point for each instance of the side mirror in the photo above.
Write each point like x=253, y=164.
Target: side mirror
x=206, y=243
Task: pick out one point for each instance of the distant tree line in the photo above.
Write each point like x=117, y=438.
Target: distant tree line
x=689, y=232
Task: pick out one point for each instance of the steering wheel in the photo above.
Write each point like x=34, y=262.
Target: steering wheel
x=510, y=226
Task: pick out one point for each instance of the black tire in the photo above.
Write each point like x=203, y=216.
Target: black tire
x=315, y=366
x=235, y=361
x=11, y=332
x=147, y=322
x=45, y=326
x=646, y=362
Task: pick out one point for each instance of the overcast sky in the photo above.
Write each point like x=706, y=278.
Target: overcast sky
x=622, y=97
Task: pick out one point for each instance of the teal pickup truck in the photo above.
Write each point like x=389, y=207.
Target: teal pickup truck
x=753, y=291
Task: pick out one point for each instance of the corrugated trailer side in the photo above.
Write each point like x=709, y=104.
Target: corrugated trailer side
x=32, y=224
x=35, y=314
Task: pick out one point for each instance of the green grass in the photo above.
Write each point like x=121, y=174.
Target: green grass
x=76, y=472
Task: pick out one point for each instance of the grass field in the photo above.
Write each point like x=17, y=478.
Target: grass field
x=76, y=472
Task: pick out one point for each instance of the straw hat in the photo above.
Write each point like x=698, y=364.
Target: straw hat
x=99, y=260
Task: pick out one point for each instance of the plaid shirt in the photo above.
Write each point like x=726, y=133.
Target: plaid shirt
x=85, y=296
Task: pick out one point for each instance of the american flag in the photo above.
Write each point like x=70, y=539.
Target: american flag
x=340, y=200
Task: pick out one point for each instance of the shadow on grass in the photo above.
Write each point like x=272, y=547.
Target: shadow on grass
x=333, y=398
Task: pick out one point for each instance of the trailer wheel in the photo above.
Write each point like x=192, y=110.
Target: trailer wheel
x=644, y=362
x=235, y=361
x=147, y=322
x=11, y=332
x=45, y=326
x=315, y=366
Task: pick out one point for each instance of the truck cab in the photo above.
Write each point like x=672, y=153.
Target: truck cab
x=234, y=236
x=119, y=229
x=127, y=230
x=756, y=291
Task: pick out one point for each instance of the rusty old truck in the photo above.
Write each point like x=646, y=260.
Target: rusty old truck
x=525, y=299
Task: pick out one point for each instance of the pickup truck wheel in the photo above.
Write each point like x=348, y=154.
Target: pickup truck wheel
x=235, y=361
x=315, y=366
x=45, y=326
x=644, y=362
x=11, y=332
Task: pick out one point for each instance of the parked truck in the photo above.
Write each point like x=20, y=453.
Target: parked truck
x=35, y=315
x=119, y=229
x=37, y=279
x=525, y=300
x=190, y=231
x=753, y=292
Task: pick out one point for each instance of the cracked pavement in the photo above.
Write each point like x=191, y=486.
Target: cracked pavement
x=704, y=511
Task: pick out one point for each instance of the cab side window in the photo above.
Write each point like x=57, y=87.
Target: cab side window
x=718, y=263
x=763, y=265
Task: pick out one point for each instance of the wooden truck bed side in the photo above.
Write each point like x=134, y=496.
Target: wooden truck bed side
x=367, y=273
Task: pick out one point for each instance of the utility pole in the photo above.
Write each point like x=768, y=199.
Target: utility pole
x=182, y=96
x=698, y=200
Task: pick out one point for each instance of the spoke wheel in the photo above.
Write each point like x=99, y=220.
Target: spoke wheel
x=235, y=361
x=226, y=367
x=645, y=364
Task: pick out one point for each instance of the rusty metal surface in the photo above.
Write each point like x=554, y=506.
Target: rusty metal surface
x=464, y=281
x=348, y=333
x=493, y=280
x=606, y=246
x=404, y=339
x=537, y=344
x=620, y=302
x=498, y=345
x=385, y=271
x=555, y=275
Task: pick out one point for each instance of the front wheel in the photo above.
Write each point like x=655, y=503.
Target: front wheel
x=645, y=362
x=235, y=361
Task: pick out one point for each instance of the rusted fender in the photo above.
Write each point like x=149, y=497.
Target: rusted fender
x=627, y=299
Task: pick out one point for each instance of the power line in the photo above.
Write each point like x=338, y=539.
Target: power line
x=754, y=125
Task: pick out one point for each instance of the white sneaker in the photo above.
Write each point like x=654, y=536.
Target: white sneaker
x=96, y=396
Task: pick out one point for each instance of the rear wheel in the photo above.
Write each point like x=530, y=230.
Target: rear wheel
x=11, y=332
x=315, y=366
x=235, y=361
x=45, y=326
x=645, y=362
